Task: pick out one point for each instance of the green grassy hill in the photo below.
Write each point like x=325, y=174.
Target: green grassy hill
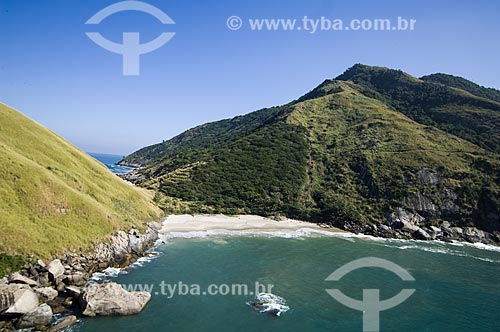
x=463, y=84
x=349, y=151
x=55, y=197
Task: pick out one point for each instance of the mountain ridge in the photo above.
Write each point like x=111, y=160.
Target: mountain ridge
x=350, y=151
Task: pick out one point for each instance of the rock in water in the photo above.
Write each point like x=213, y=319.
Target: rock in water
x=110, y=299
x=17, y=299
x=41, y=316
x=269, y=303
x=63, y=323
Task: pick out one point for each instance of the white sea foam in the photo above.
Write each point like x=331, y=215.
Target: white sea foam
x=439, y=248
x=292, y=234
x=151, y=255
x=109, y=273
x=113, y=272
x=269, y=303
x=429, y=246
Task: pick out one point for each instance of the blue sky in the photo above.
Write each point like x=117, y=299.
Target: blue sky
x=53, y=73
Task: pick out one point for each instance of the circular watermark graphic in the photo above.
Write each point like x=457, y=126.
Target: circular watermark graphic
x=234, y=22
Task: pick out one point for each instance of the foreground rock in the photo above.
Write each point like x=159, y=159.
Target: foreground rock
x=55, y=268
x=63, y=323
x=17, y=299
x=111, y=299
x=37, y=318
x=46, y=294
x=17, y=278
x=58, y=285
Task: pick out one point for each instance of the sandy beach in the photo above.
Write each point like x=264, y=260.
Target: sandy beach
x=250, y=223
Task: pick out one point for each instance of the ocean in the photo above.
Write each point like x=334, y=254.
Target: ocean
x=110, y=161
x=457, y=286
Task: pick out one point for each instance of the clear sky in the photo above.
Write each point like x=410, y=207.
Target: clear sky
x=51, y=71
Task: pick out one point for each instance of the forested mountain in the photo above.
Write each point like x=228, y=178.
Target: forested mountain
x=350, y=151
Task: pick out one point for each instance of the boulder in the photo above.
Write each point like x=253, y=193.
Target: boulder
x=436, y=230
x=17, y=299
x=473, y=234
x=55, y=268
x=457, y=230
x=421, y=234
x=40, y=264
x=63, y=323
x=4, y=281
x=43, y=279
x=57, y=305
x=68, y=302
x=6, y=326
x=73, y=291
x=46, y=293
x=39, y=317
x=17, y=278
x=111, y=299
x=404, y=220
x=445, y=224
x=77, y=279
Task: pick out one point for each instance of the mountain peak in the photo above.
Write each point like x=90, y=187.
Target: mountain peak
x=360, y=73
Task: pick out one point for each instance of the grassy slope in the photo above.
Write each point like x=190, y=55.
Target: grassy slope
x=453, y=110
x=54, y=197
x=365, y=153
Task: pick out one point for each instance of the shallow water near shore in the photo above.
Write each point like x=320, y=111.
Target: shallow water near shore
x=457, y=286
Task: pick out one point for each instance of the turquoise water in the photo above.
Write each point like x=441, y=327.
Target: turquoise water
x=110, y=161
x=457, y=287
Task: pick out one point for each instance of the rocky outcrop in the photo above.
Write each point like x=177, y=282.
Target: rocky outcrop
x=38, y=318
x=404, y=224
x=17, y=299
x=134, y=177
x=58, y=285
x=421, y=203
x=111, y=299
x=428, y=177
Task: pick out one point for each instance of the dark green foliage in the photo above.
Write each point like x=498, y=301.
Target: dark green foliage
x=259, y=173
x=205, y=136
x=9, y=264
x=348, y=152
x=462, y=83
x=474, y=119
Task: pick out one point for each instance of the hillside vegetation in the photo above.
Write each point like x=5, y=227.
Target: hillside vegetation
x=351, y=151
x=54, y=197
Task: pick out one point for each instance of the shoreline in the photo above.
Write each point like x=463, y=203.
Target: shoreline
x=219, y=225
x=243, y=223
x=58, y=286
x=124, y=250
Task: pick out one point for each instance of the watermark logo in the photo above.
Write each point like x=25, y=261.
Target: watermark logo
x=234, y=22
x=371, y=305
x=322, y=24
x=131, y=48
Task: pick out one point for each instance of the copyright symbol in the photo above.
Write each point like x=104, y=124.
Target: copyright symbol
x=234, y=22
